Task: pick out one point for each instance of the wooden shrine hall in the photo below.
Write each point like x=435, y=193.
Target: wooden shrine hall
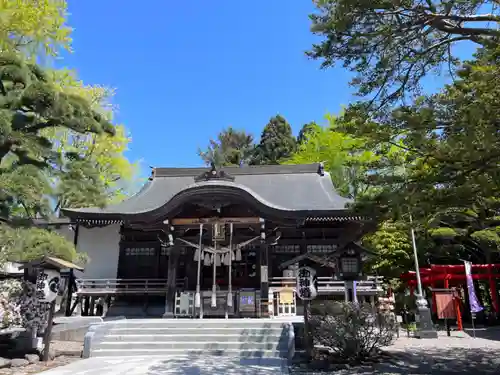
x=208, y=242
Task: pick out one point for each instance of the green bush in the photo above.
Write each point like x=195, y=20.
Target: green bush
x=351, y=331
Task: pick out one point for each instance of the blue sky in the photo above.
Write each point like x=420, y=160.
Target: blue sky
x=183, y=70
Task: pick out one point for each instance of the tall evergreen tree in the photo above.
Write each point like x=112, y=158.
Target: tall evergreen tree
x=390, y=46
x=306, y=130
x=232, y=147
x=276, y=142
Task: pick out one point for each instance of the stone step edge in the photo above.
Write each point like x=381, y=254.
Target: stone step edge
x=188, y=351
x=180, y=342
x=194, y=335
x=191, y=328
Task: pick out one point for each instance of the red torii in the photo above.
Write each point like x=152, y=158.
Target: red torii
x=441, y=275
x=455, y=274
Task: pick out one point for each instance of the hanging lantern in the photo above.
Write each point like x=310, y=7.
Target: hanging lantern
x=238, y=254
x=206, y=262
x=196, y=255
x=232, y=256
x=217, y=260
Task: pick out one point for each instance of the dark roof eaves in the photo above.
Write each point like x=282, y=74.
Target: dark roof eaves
x=243, y=170
x=307, y=215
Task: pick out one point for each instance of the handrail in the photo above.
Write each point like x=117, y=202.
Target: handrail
x=124, y=286
x=326, y=284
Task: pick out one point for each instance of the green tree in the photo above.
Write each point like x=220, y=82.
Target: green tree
x=30, y=105
x=232, y=147
x=393, y=250
x=35, y=28
x=102, y=174
x=392, y=45
x=307, y=129
x=348, y=159
x=448, y=144
x=345, y=158
x=276, y=142
x=472, y=234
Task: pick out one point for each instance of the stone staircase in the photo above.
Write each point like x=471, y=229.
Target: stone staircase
x=243, y=338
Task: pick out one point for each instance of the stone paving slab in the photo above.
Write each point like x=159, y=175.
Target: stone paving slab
x=168, y=366
x=459, y=354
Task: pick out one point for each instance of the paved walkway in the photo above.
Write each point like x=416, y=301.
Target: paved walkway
x=165, y=366
x=459, y=354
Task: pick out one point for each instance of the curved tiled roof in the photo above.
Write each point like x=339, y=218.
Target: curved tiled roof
x=290, y=188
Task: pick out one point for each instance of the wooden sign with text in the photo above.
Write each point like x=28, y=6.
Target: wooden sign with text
x=212, y=220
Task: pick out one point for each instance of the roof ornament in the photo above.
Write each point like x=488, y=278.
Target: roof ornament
x=214, y=174
x=321, y=169
x=153, y=172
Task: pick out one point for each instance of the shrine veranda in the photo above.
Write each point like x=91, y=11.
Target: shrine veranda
x=207, y=242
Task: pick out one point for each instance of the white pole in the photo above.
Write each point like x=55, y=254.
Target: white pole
x=415, y=256
x=214, y=286
x=230, y=287
x=197, y=297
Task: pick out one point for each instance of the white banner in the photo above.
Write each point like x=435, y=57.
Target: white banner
x=47, y=285
x=305, y=283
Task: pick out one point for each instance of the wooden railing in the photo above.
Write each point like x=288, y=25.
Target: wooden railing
x=327, y=285
x=94, y=287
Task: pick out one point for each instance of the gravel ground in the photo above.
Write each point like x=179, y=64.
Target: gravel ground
x=459, y=354
x=67, y=352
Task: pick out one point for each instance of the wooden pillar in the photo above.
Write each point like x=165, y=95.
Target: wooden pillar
x=71, y=278
x=48, y=332
x=456, y=302
x=264, y=272
x=86, y=306
x=173, y=261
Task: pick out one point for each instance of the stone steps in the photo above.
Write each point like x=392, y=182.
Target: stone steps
x=189, y=331
x=242, y=338
x=168, y=336
x=191, y=345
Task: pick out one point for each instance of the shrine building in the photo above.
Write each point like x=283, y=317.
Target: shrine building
x=207, y=242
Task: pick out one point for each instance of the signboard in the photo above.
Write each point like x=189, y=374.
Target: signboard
x=444, y=305
x=47, y=285
x=305, y=283
x=263, y=274
x=247, y=301
x=286, y=297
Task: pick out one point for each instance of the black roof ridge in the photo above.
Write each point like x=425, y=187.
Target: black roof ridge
x=238, y=171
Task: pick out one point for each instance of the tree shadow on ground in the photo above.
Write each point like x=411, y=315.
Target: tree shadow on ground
x=217, y=365
x=436, y=362
x=490, y=333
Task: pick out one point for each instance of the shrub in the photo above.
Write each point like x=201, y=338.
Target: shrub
x=19, y=307
x=352, y=332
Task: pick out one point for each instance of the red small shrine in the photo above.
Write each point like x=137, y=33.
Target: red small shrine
x=448, y=276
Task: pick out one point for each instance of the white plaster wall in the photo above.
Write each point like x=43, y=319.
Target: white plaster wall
x=102, y=246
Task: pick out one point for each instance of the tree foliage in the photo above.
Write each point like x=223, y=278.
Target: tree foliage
x=392, y=245
x=35, y=28
x=345, y=158
x=307, y=129
x=448, y=144
x=472, y=234
x=392, y=45
x=232, y=147
x=276, y=142
x=30, y=105
x=102, y=174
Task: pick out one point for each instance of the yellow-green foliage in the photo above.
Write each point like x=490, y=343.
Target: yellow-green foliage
x=35, y=28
